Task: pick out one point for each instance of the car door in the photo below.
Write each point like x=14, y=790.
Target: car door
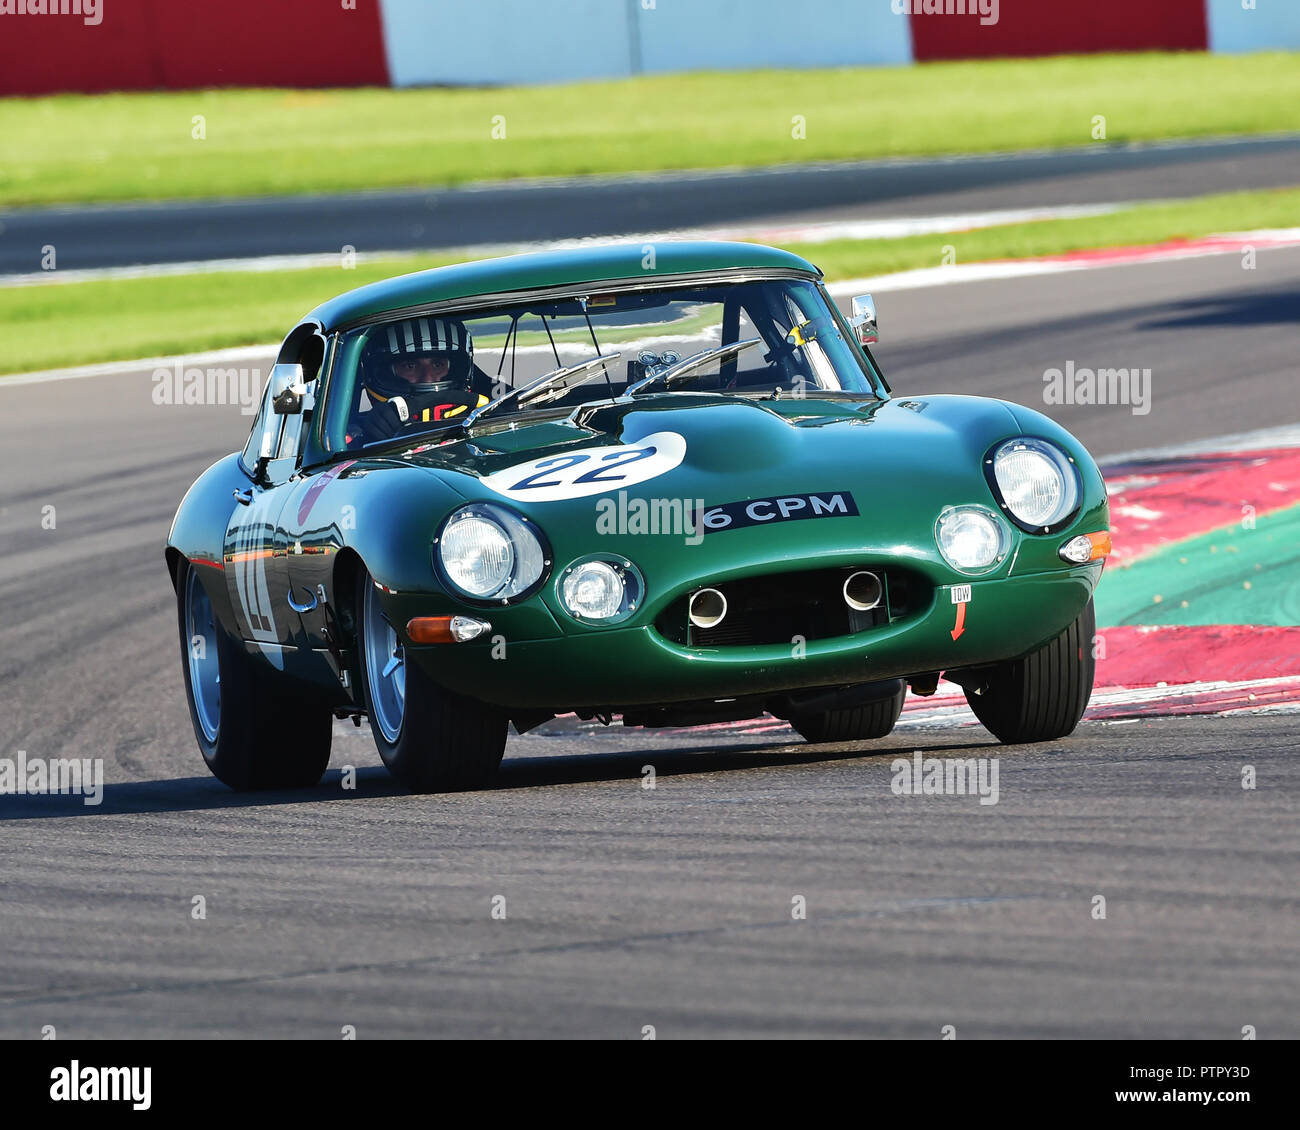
x=314, y=524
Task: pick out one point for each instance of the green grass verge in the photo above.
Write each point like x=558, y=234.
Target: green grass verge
x=58, y=324
x=72, y=148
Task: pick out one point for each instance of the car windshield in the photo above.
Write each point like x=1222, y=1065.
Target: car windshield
x=426, y=373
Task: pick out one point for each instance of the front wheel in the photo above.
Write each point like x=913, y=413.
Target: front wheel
x=253, y=733
x=1042, y=696
x=432, y=741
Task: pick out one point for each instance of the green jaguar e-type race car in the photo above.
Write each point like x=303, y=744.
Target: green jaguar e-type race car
x=662, y=481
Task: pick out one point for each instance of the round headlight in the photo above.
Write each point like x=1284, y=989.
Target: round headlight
x=1038, y=484
x=593, y=590
x=970, y=539
x=601, y=589
x=488, y=553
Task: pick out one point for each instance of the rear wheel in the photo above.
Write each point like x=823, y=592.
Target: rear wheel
x=1042, y=696
x=253, y=732
x=858, y=723
x=431, y=740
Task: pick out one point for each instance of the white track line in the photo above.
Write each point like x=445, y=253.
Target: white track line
x=195, y=267
x=1270, y=240
x=118, y=368
x=1287, y=435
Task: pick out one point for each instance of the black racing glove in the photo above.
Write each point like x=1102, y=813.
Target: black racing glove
x=383, y=421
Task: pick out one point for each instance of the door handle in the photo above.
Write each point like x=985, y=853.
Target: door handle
x=243, y=496
x=306, y=605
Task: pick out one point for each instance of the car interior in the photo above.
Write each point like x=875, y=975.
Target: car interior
x=653, y=330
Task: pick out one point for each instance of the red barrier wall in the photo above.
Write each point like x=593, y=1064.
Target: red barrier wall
x=183, y=44
x=1060, y=27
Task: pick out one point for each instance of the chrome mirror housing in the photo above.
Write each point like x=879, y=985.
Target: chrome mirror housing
x=288, y=388
x=863, y=319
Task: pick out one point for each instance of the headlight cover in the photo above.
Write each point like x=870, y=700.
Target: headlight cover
x=971, y=539
x=593, y=589
x=1035, y=482
x=602, y=589
x=486, y=552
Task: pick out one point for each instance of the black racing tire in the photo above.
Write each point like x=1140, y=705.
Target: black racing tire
x=1042, y=696
x=858, y=723
x=439, y=742
x=261, y=734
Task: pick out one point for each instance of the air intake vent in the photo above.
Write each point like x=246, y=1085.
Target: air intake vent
x=775, y=608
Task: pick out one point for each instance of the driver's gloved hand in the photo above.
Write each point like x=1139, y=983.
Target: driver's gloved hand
x=386, y=420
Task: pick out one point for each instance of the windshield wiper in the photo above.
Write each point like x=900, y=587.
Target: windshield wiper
x=675, y=373
x=549, y=386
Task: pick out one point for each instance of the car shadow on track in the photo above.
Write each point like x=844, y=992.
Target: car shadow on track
x=192, y=794
x=674, y=761
x=1260, y=308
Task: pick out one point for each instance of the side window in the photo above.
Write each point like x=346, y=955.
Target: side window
x=344, y=392
x=252, y=449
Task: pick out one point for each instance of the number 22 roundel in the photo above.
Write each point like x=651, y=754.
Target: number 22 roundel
x=589, y=470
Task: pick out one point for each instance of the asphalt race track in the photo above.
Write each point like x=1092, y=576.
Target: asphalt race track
x=120, y=235
x=628, y=907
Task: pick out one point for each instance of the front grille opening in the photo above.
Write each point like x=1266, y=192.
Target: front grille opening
x=775, y=608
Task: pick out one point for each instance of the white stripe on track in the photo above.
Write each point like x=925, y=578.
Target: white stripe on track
x=1055, y=265
x=118, y=368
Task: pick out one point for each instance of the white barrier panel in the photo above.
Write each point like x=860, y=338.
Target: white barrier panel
x=497, y=42
x=487, y=42
x=1267, y=25
x=680, y=35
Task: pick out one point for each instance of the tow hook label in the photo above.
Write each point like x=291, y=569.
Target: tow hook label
x=961, y=594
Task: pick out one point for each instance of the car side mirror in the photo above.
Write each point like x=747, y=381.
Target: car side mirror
x=863, y=319
x=290, y=397
x=288, y=389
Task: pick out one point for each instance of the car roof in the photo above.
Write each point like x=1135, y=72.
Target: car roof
x=543, y=269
